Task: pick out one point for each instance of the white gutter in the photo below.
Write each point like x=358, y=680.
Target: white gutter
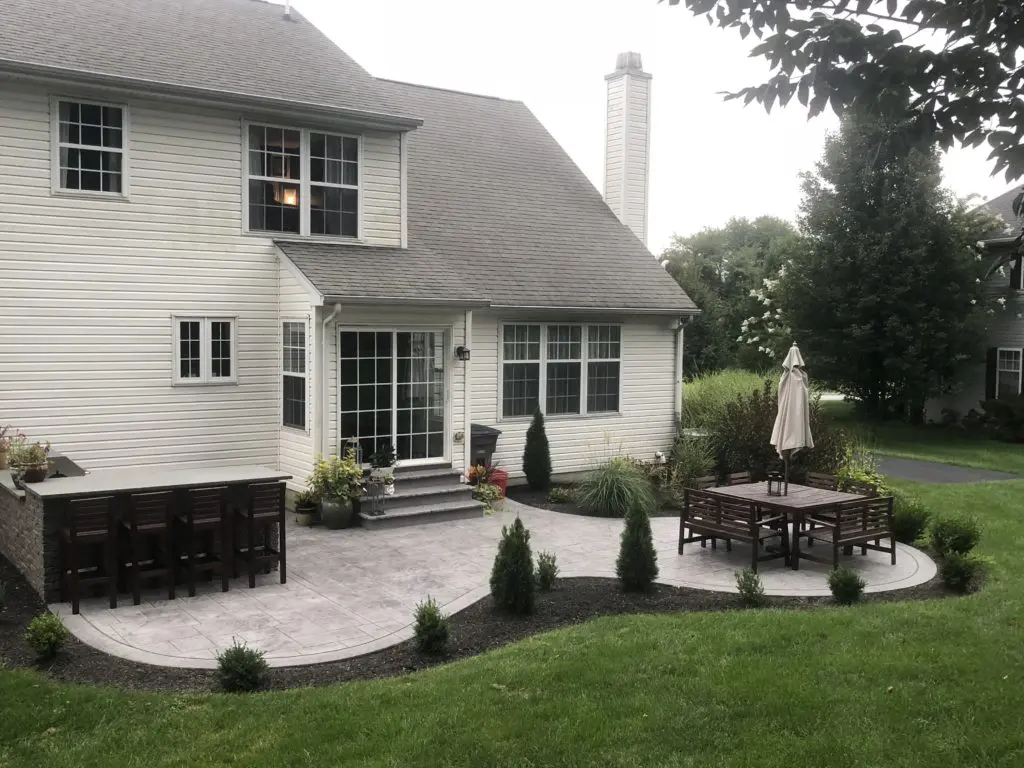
x=679, y=373
x=467, y=389
x=325, y=398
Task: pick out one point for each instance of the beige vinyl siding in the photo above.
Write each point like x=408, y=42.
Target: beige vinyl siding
x=385, y=318
x=615, y=138
x=638, y=138
x=644, y=425
x=296, y=446
x=382, y=189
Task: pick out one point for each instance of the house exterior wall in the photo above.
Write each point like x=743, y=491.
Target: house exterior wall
x=296, y=446
x=90, y=287
x=646, y=422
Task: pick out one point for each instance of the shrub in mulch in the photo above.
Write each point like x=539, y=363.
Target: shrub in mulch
x=241, y=669
x=847, y=586
x=547, y=571
x=513, y=580
x=432, y=628
x=637, y=564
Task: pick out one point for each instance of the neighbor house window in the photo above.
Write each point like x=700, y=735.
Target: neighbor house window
x=568, y=369
x=293, y=367
x=204, y=350
x=1008, y=372
x=302, y=182
x=90, y=147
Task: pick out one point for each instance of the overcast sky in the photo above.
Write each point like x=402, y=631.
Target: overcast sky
x=710, y=159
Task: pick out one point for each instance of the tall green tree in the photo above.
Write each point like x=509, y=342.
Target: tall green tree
x=886, y=301
x=959, y=64
x=719, y=267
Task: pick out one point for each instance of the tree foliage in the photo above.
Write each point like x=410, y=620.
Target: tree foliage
x=957, y=63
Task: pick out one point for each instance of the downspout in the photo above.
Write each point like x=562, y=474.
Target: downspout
x=679, y=374
x=325, y=380
x=467, y=395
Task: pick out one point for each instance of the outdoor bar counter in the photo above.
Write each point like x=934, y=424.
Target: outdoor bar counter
x=31, y=516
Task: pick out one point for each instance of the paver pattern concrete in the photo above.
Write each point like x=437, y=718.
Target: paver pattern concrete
x=354, y=591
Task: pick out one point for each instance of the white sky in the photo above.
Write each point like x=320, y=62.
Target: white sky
x=710, y=159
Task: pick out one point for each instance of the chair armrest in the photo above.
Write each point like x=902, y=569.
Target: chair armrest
x=819, y=521
x=772, y=519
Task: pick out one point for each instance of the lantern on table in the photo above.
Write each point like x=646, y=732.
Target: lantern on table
x=775, y=481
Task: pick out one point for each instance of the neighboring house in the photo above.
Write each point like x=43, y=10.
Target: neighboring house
x=222, y=241
x=1000, y=375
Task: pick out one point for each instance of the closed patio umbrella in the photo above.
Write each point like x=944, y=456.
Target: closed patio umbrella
x=792, y=429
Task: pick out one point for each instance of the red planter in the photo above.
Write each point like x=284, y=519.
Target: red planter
x=499, y=477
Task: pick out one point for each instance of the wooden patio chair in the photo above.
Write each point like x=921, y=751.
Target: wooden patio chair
x=707, y=516
x=205, y=537
x=861, y=489
x=821, y=481
x=703, y=483
x=262, y=508
x=149, y=524
x=861, y=522
x=87, y=541
x=738, y=478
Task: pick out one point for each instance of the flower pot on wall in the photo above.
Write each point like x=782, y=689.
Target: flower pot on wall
x=336, y=513
x=35, y=474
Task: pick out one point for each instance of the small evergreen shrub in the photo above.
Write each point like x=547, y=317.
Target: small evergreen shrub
x=637, y=564
x=537, y=454
x=46, y=635
x=547, y=570
x=561, y=494
x=909, y=518
x=750, y=588
x=513, y=581
x=957, y=533
x=614, y=489
x=432, y=627
x=961, y=572
x=241, y=669
x=847, y=586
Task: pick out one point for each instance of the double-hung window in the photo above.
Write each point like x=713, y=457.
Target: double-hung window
x=564, y=368
x=302, y=182
x=1008, y=372
x=89, y=142
x=204, y=350
x=293, y=367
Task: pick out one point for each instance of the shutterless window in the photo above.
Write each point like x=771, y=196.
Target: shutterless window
x=90, y=147
x=275, y=173
x=293, y=366
x=565, y=355
x=204, y=350
x=604, y=349
x=520, y=369
x=334, y=185
x=1008, y=373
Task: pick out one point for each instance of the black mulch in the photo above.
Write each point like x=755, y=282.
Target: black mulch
x=476, y=629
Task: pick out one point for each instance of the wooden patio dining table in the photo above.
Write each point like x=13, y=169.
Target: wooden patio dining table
x=801, y=501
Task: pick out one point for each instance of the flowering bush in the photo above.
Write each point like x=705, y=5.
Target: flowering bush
x=26, y=454
x=336, y=477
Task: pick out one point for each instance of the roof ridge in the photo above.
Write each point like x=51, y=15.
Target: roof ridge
x=450, y=90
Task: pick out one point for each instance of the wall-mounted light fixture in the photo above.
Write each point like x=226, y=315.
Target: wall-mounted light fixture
x=462, y=353
x=290, y=196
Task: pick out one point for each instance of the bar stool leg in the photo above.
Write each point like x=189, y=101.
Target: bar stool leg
x=191, y=560
x=251, y=530
x=227, y=550
x=136, y=586
x=110, y=557
x=72, y=576
x=169, y=563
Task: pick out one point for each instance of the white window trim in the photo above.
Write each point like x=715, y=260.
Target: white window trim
x=304, y=184
x=1020, y=367
x=205, y=348
x=304, y=322
x=55, y=143
x=542, y=395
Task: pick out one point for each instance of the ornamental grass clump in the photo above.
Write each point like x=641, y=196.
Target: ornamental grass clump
x=637, y=564
x=432, y=628
x=614, y=489
x=242, y=669
x=513, y=580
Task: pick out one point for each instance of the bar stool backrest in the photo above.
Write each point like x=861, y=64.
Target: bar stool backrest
x=266, y=499
x=206, y=505
x=90, y=515
x=150, y=509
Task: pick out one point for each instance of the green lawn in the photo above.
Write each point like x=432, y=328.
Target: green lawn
x=937, y=683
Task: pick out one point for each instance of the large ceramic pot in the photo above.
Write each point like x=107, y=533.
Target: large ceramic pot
x=35, y=474
x=336, y=513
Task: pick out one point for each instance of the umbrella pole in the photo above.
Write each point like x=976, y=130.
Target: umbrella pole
x=785, y=459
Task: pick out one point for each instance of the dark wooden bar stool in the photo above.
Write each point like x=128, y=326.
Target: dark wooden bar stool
x=148, y=520
x=204, y=534
x=260, y=508
x=88, y=543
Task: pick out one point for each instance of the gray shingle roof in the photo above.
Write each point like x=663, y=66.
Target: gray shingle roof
x=243, y=47
x=1002, y=207
x=497, y=211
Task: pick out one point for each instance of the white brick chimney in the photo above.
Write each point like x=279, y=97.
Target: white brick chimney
x=628, y=142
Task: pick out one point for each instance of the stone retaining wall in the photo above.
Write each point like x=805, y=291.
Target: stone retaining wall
x=27, y=542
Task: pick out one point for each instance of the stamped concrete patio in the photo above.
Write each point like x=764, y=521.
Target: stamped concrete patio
x=352, y=592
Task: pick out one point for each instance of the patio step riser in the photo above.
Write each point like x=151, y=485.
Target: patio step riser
x=415, y=485
x=471, y=510
x=420, y=497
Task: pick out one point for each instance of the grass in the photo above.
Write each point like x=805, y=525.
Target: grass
x=933, y=443
x=917, y=684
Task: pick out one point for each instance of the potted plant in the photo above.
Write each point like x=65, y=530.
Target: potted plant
x=382, y=467
x=337, y=482
x=305, y=508
x=30, y=459
x=5, y=446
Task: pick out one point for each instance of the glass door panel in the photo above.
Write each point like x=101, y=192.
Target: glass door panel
x=420, y=401
x=365, y=378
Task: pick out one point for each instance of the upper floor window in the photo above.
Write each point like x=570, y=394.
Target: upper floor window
x=204, y=350
x=90, y=147
x=1008, y=372
x=302, y=182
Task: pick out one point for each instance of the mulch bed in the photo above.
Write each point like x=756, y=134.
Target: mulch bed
x=526, y=495
x=476, y=629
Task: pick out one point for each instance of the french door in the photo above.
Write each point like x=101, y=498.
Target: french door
x=392, y=389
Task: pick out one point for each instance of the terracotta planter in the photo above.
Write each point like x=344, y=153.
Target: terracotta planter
x=337, y=513
x=36, y=474
x=499, y=477
x=305, y=515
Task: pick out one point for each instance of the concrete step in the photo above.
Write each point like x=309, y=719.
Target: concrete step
x=410, y=494
x=426, y=477
x=426, y=513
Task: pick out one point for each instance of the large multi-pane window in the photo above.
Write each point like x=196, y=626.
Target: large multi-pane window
x=204, y=350
x=90, y=143
x=1008, y=372
x=302, y=182
x=565, y=368
x=293, y=380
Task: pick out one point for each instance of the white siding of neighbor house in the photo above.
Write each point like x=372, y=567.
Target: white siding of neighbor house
x=90, y=285
x=296, y=446
x=645, y=424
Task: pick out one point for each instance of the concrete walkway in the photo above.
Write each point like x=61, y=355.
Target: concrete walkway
x=354, y=591
x=935, y=472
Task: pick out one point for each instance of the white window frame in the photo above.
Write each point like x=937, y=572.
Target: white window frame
x=304, y=376
x=542, y=396
x=1020, y=367
x=206, y=377
x=56, y=144
x=304, y=183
